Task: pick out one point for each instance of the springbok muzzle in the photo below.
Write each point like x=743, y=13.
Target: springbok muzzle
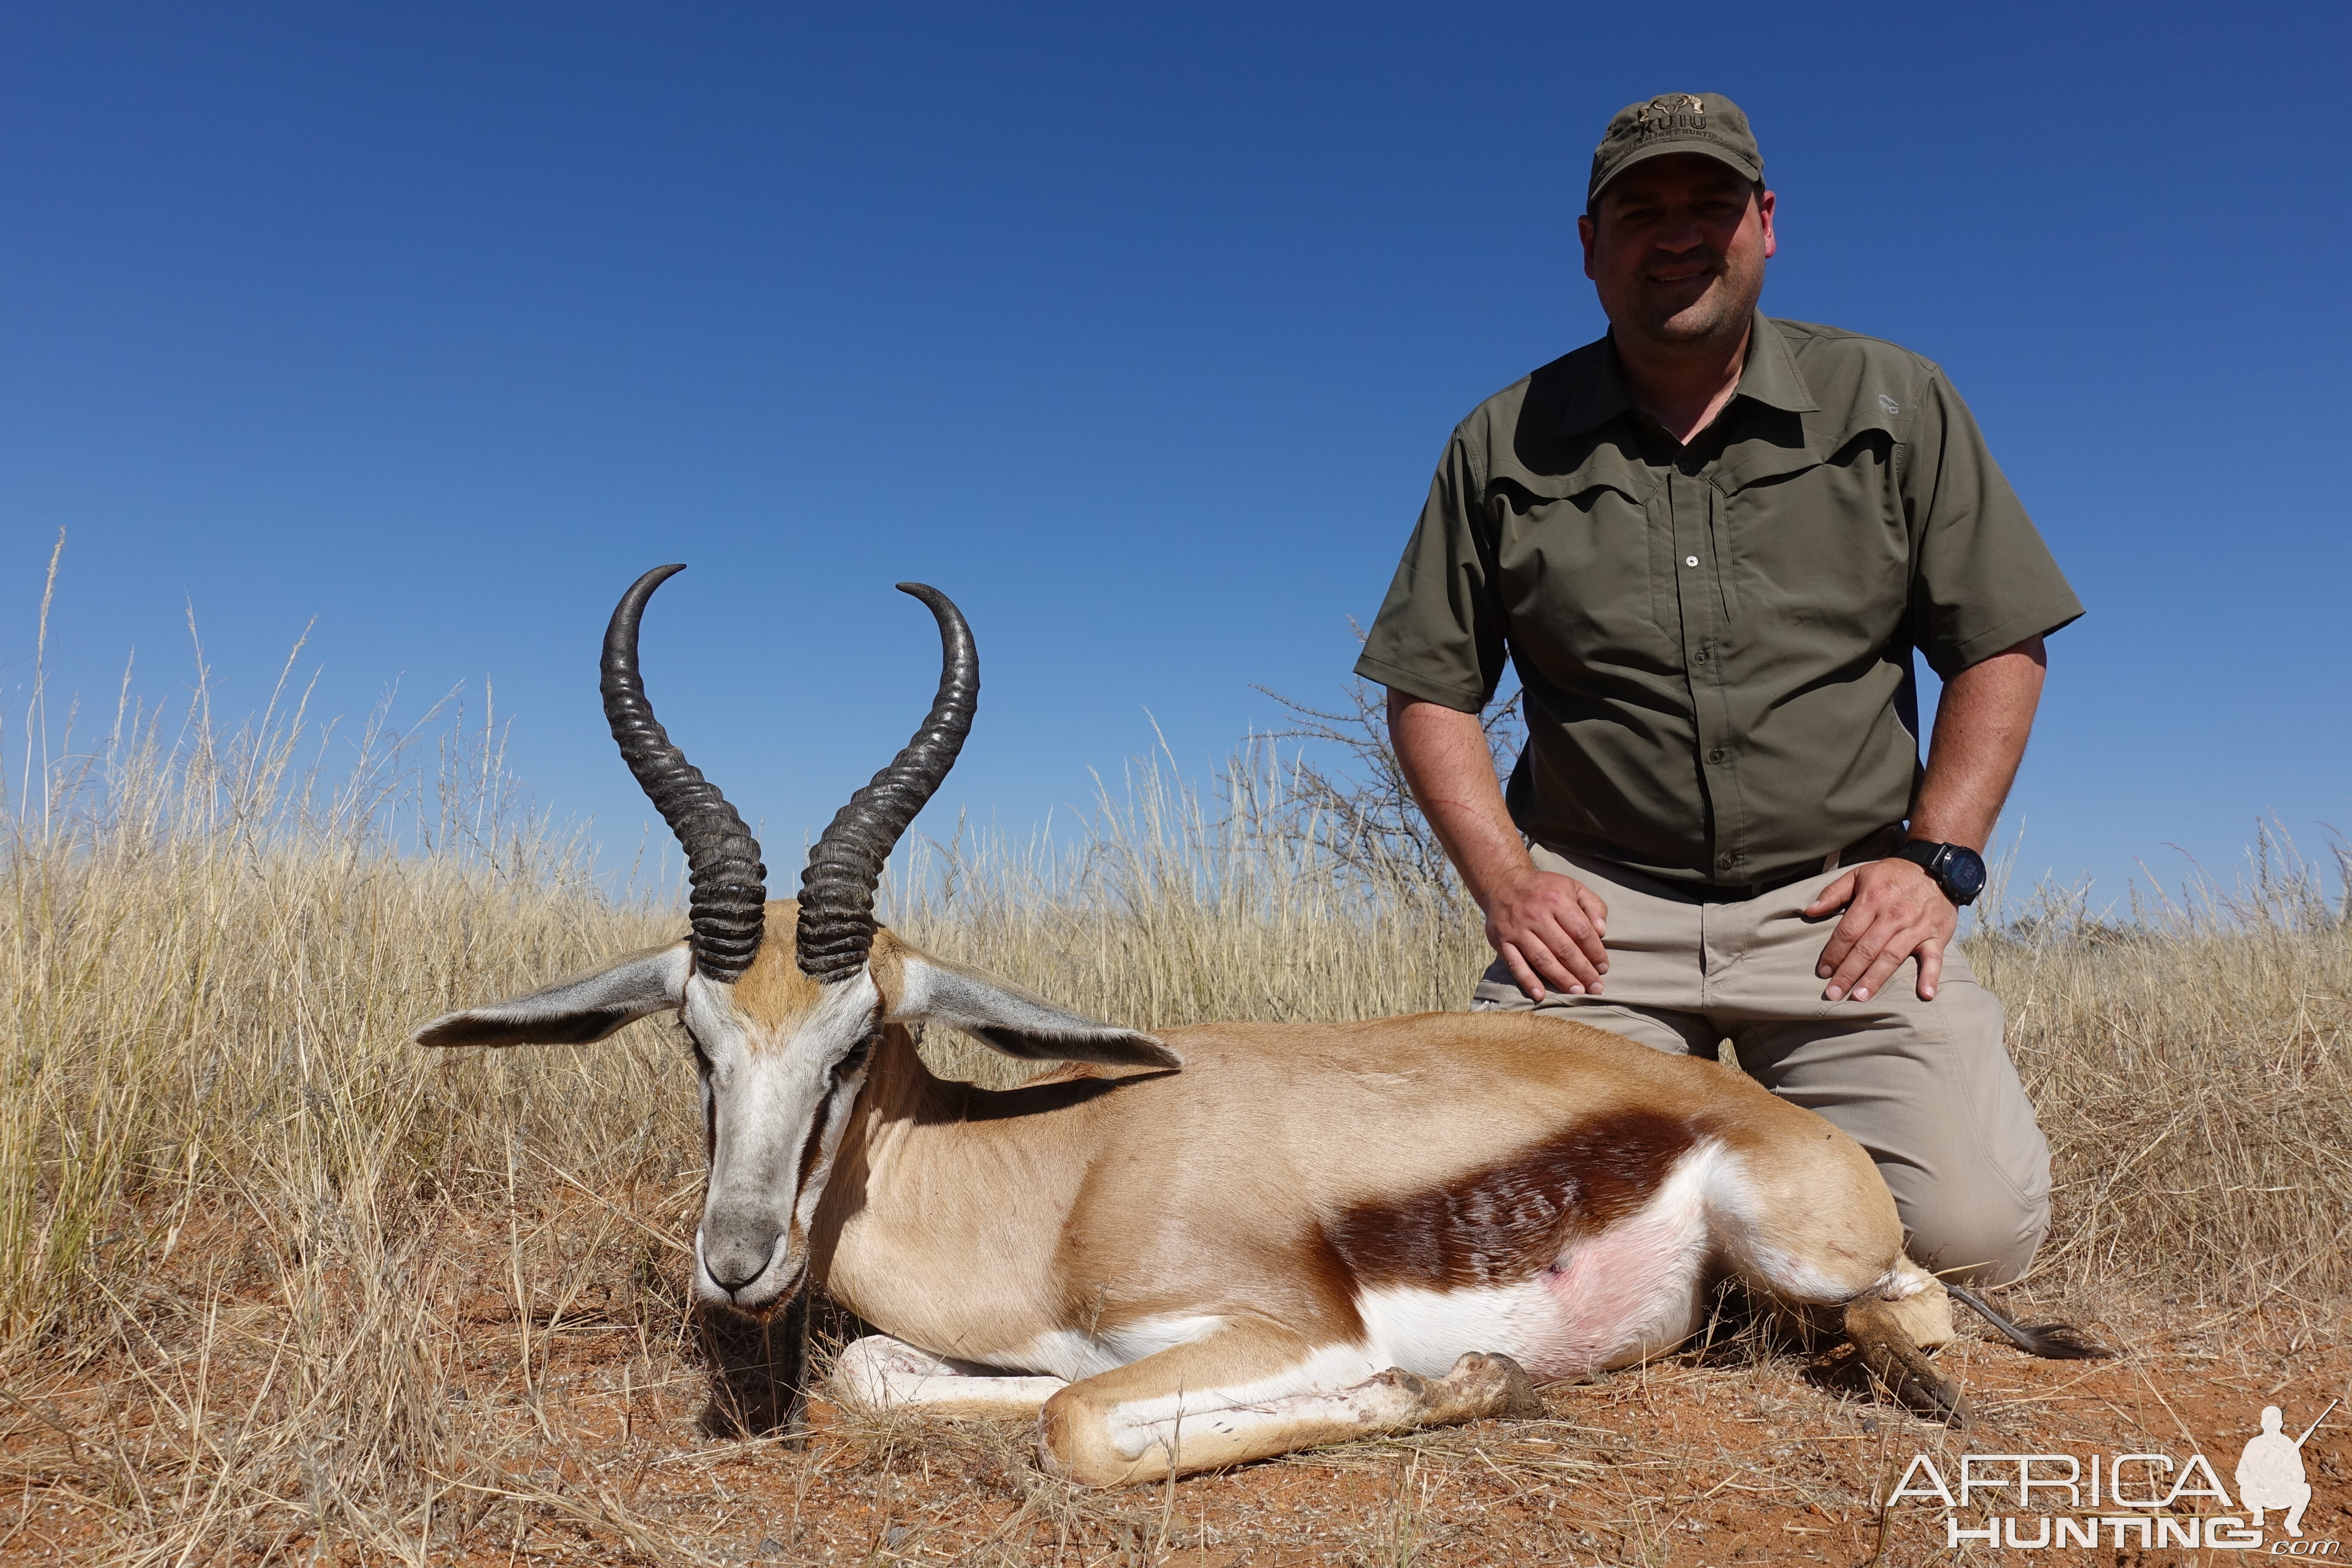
x=737, y=1244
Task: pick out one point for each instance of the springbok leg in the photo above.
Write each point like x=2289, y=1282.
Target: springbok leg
x=1249, y=1391
x=1887, y=1349
x=879, y=1373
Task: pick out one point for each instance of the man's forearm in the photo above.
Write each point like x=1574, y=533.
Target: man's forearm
x=1443, y=753
x=1893, y=911
x=1981, y=725
x=1550, y=930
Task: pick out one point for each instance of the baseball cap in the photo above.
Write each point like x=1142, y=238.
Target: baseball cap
x=1703, y=123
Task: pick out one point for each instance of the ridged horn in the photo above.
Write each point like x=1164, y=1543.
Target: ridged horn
x=836, y=923
x=723, y=858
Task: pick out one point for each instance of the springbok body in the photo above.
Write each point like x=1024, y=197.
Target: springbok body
x=1303, y=1208
x=1214, y=1244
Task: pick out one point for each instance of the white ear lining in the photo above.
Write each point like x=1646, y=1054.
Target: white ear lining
x=572, y=1011
x=1014, y=1022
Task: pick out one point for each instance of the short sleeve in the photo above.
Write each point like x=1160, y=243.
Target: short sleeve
x=1983, y=580
x=1439, y=636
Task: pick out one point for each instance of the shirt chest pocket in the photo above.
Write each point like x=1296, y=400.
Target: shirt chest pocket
x=1583, y=575
x=1825, y=547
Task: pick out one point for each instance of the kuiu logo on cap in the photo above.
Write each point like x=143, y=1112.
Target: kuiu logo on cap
x=1672, y=112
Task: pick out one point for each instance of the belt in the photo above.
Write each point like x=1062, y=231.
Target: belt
x=1877, y=845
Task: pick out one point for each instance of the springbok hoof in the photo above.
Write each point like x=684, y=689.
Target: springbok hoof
x=1486, y=1386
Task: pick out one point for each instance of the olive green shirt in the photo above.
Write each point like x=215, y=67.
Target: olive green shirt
x=1714, y=640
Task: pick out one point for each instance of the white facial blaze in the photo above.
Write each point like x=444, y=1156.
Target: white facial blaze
x=766, y=1095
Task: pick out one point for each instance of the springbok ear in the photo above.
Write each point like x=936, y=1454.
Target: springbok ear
x=1014, y=1022
x=572, y=1011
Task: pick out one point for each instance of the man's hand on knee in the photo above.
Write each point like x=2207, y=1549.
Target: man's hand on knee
x=1548, y=930
x=1893, y=911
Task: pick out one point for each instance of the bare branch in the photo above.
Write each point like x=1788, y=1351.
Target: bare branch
x=1346, y=790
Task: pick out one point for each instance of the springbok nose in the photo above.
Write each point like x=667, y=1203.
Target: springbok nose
x=736, y=1247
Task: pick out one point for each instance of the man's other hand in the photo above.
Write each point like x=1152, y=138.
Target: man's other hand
x=1548, y=928
x=1894, y=909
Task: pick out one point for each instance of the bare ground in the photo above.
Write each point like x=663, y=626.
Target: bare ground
x=537, y=1394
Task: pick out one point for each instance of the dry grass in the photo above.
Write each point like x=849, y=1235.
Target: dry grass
x=2193, y=1069
x=276, y=1286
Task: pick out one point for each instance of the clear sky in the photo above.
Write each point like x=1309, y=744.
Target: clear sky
x=1137, y=328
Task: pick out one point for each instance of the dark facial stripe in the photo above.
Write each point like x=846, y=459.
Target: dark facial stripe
x=709, y=1115
x=1509, y=1220
x=815, y=1144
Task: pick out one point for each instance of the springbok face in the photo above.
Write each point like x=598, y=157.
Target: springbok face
x=781, y=1040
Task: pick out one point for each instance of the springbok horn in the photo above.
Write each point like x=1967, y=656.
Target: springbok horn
x=723, y=858
x=836, y=923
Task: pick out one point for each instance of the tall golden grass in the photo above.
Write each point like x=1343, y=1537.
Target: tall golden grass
x=219, y=937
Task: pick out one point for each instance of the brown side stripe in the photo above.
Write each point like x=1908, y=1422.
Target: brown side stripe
x=1509, y=1220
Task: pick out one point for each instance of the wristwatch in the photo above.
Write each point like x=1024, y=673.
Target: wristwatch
x=1957, y=869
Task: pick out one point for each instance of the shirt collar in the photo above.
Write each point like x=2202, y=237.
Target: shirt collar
x=1595, y=398
x=1770, y=377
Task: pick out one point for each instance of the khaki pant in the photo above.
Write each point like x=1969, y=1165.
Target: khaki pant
x=1926, y=1087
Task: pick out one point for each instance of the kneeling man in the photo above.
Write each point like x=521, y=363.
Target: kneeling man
x=1710, y=542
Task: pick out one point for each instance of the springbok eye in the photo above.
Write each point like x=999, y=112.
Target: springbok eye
x=856, y=1059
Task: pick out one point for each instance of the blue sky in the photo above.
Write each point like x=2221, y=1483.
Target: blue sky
x=1137, y=328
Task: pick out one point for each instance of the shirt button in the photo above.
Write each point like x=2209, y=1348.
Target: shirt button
x=1727, y=860
x=1690, y=560
x=1702, y=656
x=1719, y=755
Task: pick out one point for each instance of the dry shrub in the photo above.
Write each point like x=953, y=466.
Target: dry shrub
x=232, y=1192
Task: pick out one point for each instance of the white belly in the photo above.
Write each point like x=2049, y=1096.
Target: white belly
x=1607, y=1301
x=1072, y=1354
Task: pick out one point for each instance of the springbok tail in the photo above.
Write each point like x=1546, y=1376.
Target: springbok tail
x=2051, y=1342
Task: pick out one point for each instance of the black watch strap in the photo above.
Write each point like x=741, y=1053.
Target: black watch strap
x=1957, y=869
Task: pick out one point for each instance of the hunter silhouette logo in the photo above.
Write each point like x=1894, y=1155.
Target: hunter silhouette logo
x=2270, y=1472
x=2150, y=1500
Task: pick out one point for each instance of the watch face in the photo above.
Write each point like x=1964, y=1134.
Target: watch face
x=1964, y=873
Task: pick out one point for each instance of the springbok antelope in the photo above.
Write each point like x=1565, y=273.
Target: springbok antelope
x=1214, y=1244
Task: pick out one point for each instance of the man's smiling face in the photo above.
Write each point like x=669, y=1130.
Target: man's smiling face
x=1676, y=248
